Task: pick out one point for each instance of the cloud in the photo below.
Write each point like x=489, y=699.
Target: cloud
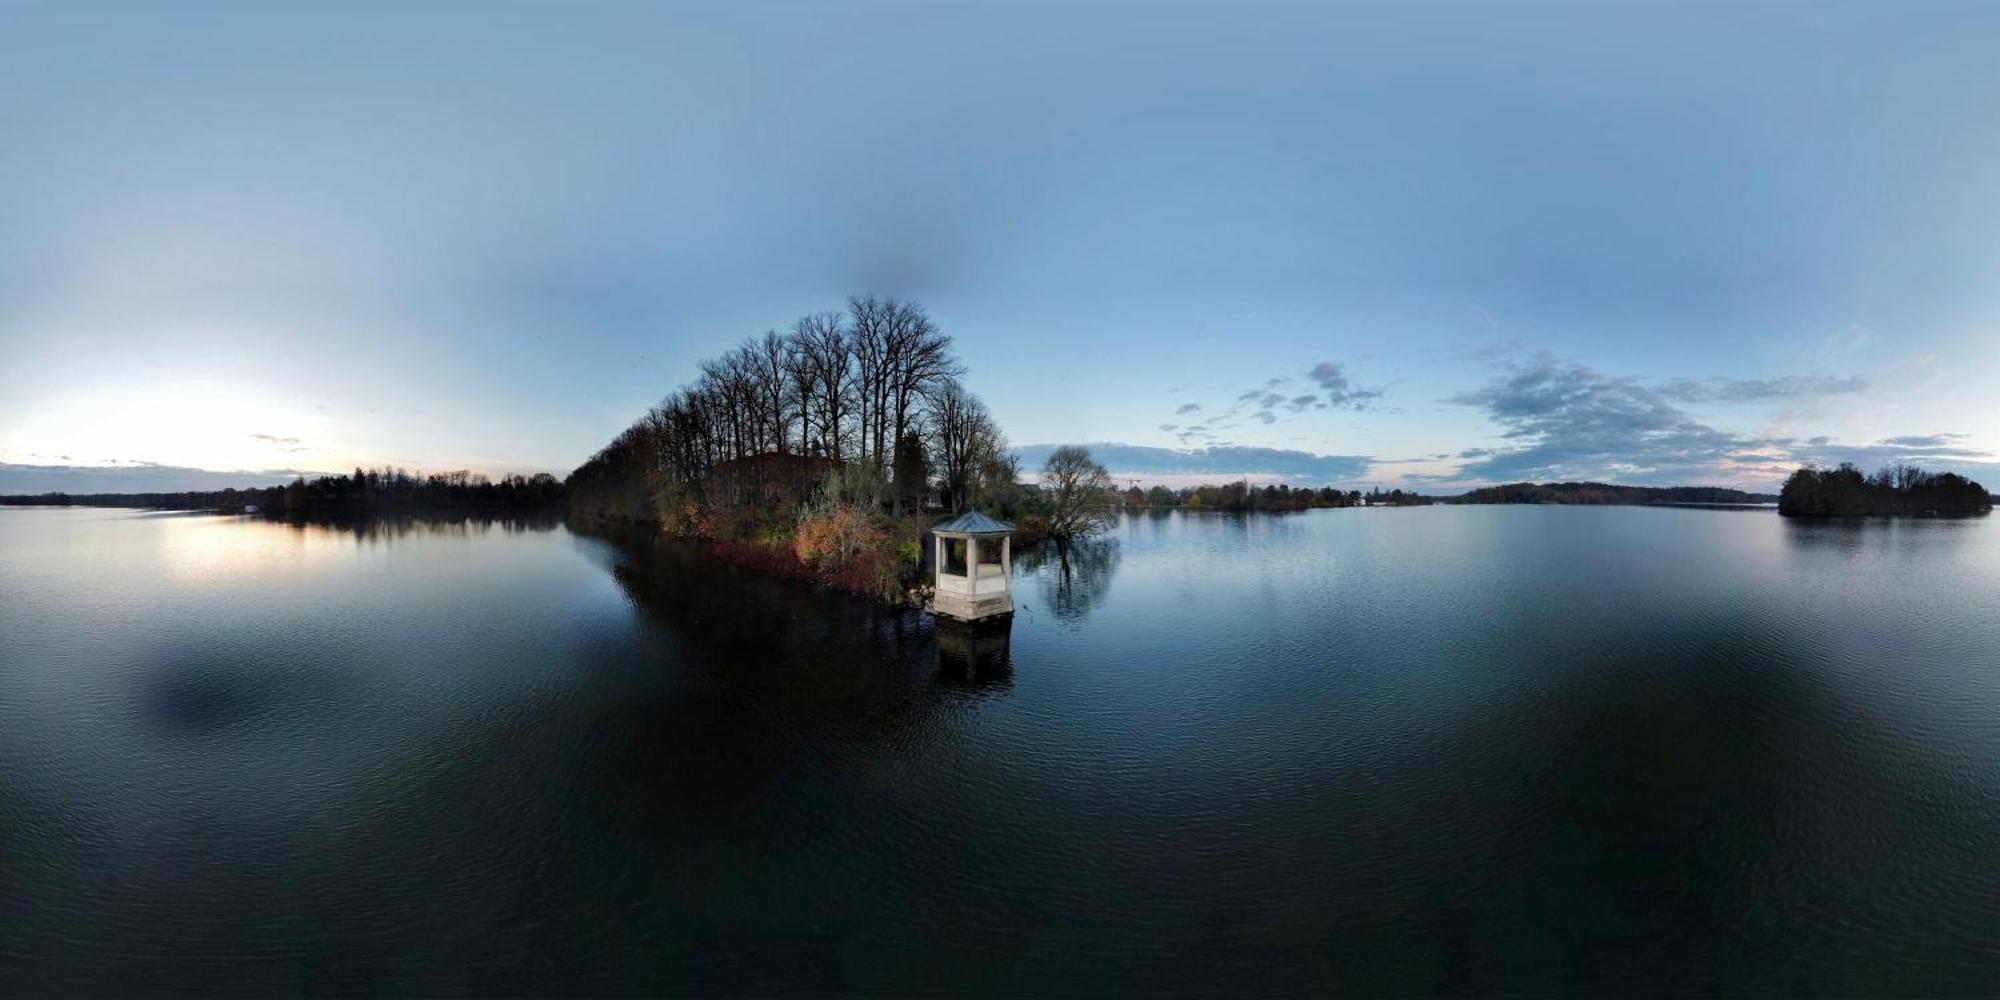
x=1915, y=440
x=1567, y=421
x=137, y=477
x=1267, y=402
x=1221, y=463
x=1170, y=428
x=1729, y=390
x=285, y=443
x=1573, y=422
x=1341, y=392
x=1187, y=408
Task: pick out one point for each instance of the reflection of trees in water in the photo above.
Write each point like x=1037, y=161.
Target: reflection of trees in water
x=812, y=656
x=1885, y=538
x=1072, y=579
x=391, y=527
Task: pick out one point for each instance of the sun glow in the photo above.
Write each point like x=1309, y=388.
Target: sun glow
x=197, y=424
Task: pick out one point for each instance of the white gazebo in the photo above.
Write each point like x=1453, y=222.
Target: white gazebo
x=974, y=553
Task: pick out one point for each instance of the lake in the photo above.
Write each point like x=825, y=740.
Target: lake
x=1453, y=749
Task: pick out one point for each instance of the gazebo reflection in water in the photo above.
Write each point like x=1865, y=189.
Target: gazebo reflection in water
x=975, y=654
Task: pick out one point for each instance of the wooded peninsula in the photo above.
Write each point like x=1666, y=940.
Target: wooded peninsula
x=827, y=451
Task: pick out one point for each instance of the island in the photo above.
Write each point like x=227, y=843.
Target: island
x=1844, y=491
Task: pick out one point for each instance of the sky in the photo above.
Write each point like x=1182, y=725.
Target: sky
x=1431, y=245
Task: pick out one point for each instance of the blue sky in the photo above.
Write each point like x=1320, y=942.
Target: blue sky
x=1408, y=244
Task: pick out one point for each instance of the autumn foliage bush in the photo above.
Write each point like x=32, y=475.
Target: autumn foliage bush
x=857, y=552
x=838, y=538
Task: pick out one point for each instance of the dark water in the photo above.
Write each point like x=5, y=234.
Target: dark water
x=1454, y=749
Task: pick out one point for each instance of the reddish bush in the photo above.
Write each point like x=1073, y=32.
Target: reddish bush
x=857, y=553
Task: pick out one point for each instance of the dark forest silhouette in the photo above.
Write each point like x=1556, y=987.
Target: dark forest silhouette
x=872, y=391
x=1897, y=489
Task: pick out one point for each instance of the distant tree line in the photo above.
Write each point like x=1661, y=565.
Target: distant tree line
x=872, y=392
x=1896, y=489
x=1240, y=495
x=1605, y=493
x=367, y=491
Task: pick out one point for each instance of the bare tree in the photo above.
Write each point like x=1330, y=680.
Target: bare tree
x=773, y=388
x=963, y=436
x=868, y=331
x=829, y=360
x=996, y=485
x=917, y=362
x=1078, y=491
x=801, y=387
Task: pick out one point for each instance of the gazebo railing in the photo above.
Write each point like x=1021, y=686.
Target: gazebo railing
x=991, y=579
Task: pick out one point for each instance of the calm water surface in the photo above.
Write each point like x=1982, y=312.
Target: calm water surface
x=1450, y=749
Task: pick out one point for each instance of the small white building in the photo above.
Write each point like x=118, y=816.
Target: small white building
x=974, y=558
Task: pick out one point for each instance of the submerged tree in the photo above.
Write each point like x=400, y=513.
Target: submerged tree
x=1078, y=492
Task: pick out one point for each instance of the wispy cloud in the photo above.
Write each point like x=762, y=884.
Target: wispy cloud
x=285, y=443
x=1565, y=420
x=1341, y=392
x=1917, y=440
x=1758, y=390
x=1268, y=403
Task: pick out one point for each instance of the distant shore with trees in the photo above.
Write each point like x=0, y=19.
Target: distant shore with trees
x=1845, y=491
x=366, y=492
x=1241, y=495
x=1593, y=494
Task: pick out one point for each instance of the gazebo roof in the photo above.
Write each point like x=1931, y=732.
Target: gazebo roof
x=973, y=522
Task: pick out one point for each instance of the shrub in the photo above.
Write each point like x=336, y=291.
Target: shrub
x=857, y=552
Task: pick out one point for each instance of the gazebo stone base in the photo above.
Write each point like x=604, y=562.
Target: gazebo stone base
x=971, y=609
